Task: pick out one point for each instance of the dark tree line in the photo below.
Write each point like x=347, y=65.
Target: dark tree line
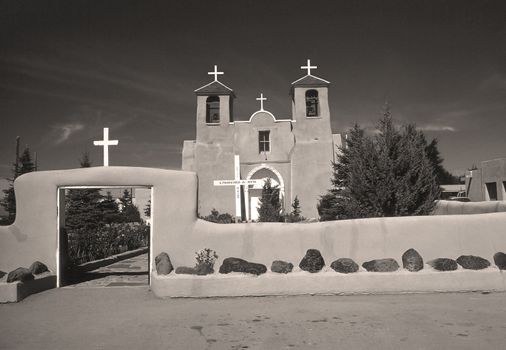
x=24, y=164
x=86, y=210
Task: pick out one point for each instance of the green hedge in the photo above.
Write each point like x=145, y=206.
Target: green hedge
x=106, y=241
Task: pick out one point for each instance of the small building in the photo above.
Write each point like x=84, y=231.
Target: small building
x=294, y=152
x=453, y=190
x=488, y=182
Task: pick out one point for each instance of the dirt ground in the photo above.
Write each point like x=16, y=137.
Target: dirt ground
x=133, y=318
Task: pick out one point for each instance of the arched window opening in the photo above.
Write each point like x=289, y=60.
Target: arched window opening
x=213, y=109
x=311, y=103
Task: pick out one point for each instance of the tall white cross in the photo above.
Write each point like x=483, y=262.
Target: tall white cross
x=215, y=73
x=261, y=99
x=237, y=182
x=308, y=67
x=106, y=143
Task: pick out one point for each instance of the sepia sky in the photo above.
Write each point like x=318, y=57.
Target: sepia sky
x=70, y=68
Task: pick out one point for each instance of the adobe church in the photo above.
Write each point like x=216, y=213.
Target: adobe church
x=233, y=158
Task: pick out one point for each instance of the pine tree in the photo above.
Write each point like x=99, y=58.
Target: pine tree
x=296, y=207
x=26, y=162
x=129, y=212
x=444, y=177
x=126, y=199
x=270, y=205
x=109, y=208
x=147, y=209
x=85, y=161
x=82, y=209
x=294, y=215
x=388, y=174
x=22, y=166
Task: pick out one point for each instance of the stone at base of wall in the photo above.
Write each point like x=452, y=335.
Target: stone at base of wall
x=236, y=284
x=17, y=291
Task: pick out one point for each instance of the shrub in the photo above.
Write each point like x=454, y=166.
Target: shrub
x=206, y=256
x=85, y=246
x=270, y=209
x=205, y=261
x=218, y=218
x=295, y=216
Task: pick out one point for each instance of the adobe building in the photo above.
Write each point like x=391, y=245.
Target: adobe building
x=488, y=183
x=295, y=152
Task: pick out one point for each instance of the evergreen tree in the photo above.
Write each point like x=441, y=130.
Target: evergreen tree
x=270, y=205
x=294, y=215
x=85, y=161
x=26, y=163
x=388, y=174
x=443, y=176
x=126, y=199
x=296, y=207
x=22, y=166
x=147, y=209
x=83, y=212
x=109, y=208
x=129, y=212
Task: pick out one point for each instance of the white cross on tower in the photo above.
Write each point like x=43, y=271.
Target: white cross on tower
x=215, y=73
x=308, y=67
x=106, y=143
x=261, y=99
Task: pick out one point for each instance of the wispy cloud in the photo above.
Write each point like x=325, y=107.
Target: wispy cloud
x=372, y=129
x=496, y=81
x=66, y=130
x=435, y=127
x=58, y=71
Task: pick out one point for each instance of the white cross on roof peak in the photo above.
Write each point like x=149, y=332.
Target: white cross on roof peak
x=261, y=99
x=106, y=143
x=215, y=73
x=308, y=67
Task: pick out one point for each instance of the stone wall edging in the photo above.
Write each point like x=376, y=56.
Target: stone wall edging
x=329, y=283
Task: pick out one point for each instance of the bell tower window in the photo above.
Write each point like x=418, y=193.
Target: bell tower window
x=213, y=110
x=312, y=103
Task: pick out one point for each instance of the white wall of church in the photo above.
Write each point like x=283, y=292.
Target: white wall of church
x=311, y=173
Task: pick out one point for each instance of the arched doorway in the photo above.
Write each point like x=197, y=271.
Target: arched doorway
x=253, y=193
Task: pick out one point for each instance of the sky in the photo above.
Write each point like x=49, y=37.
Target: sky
x=69, y=68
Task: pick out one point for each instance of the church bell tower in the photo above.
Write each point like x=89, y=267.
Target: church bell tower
x=310, y=106
x=214, y=109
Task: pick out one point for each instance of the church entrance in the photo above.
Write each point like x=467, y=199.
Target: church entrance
x=104, y=236
x=253, y=193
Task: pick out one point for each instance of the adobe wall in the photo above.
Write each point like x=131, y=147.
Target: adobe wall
x=177, y=231
x=362, y=239
x=462, y=208
x=33, y=236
